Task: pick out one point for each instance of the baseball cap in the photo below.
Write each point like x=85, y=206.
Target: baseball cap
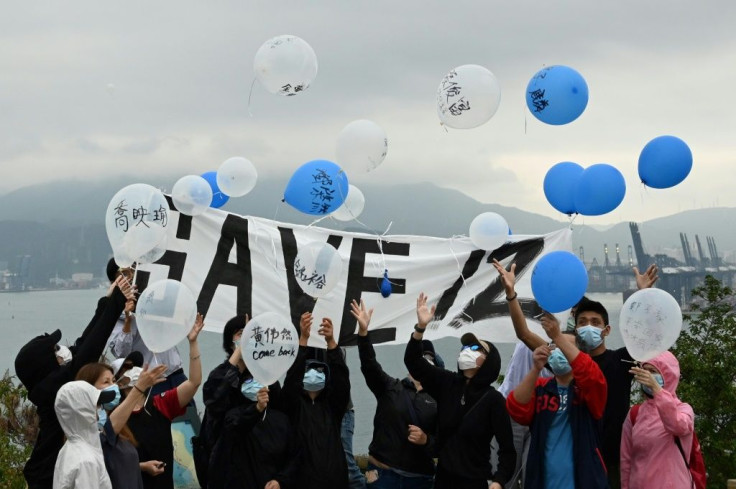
x=470, y=339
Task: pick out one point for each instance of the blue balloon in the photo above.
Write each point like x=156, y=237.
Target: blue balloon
x=218, y=198
x=560, y=185
x=557, y=95
x=318, y=187
x=600, y=189
x=386, y=287
x=664, y=162
x=559, y=281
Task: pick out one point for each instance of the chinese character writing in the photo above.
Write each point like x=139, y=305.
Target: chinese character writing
x=161, y=215
x=459, y=107
x=322, y=177
x=121, y=219
x=139, y=214
x=257, y=336
x=538, y=100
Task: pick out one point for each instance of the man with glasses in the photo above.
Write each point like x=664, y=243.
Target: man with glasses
x=470, y=411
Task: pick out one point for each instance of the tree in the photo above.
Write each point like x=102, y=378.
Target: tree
x=706, y=351
x=18, y=432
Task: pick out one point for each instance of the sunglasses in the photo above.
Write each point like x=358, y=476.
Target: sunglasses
x=473, y=348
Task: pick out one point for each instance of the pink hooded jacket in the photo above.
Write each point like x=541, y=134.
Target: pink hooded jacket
x=649, y=455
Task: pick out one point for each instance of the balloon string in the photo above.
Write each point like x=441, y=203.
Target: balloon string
x=250, y=95
x=264, y=414
x=457, y=262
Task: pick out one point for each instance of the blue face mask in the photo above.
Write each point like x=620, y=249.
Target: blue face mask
x=648, y=391
x=101, y=418
x=115, y=402
x=590, y=337
x=313, y=380
x=250, y=389
x=558, y=363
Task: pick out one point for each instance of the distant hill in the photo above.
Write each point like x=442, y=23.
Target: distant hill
x=61, y=224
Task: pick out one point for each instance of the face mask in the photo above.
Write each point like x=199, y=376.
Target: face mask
x=114, y=403
x=101, y=418
x=570, y=324
x=467, y=359
x=647, y=390
x=590, y=337
x=65, y=354
x=558, y=363
x=250, y=389
x=313, y=380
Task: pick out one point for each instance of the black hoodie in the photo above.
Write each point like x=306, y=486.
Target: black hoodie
x=318, y=422
x=469, y=415
x=40, y=373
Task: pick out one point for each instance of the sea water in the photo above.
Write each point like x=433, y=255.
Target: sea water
x=24, y=315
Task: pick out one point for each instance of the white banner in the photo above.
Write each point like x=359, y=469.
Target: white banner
x=236, y=265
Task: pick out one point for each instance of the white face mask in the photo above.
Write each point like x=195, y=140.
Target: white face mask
x=467, y=359
x=64, y=353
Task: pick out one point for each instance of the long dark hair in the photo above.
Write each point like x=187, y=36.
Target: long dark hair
x=90, y=373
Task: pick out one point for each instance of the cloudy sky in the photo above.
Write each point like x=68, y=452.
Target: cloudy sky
x=93, y=89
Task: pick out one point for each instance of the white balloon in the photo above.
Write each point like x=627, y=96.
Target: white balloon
x=165, y=314
x=361, y=146
x=192, y=195
x=269, y=344
x=236, y=176
x=156, y=253
x=650, y=322
x=285, y=65
x=352, y=207
x=135, y=220
x=488, y=231
x=317, y=268
x=467, y=97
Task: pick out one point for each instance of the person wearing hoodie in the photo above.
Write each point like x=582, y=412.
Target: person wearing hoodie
x=43, y=366
x=80, y=464
x=315, y=396
x=562, y=413
x=649, y=455
x=220, y=393
x=118, y=443
x=400, y=454
x=257, y=448
x=470, y=412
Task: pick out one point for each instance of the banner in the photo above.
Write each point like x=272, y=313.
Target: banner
x=237, y=265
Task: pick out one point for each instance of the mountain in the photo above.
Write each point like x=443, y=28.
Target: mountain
x=61, y=224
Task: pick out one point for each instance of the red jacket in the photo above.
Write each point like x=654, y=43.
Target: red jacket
x=589, y=391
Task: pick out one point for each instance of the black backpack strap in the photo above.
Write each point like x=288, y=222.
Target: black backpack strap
x=687, y=464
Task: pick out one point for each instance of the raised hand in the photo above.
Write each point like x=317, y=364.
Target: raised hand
x=648, y=278
x=363, y=316
x=551, y=326
x=326, y=329
x=196, y=328
x=540, y=356
x=262, y=399
x=149, y=378
x=645, y=377
x=508, y=277
x=305, y=327
x=425, y=314
x=126, y=288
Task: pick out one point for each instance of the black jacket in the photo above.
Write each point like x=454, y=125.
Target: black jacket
x=254, y=449
x=38, y=370
x=390, y=444
x=318, y=422
x=469, y=415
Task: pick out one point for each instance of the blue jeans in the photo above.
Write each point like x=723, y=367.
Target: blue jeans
x=388, y=479
x=355, y=477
